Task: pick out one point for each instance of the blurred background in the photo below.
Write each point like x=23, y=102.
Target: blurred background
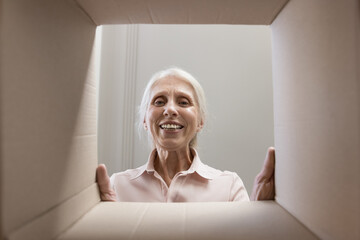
x=232, y=63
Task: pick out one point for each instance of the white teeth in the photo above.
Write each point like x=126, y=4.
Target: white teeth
x=170, y=126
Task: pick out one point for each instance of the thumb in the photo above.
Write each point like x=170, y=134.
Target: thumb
x=102, y=177
x=269, y=164
x=103, y=181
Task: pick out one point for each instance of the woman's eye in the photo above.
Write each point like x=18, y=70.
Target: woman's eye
x=159, y=102
x=184, y=102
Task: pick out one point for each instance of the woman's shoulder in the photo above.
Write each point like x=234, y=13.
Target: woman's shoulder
x=213, y=173
x=129, y=173
x=209, y=172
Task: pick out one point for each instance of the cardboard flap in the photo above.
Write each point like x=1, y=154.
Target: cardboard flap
x=221, y=220
x=260, y=12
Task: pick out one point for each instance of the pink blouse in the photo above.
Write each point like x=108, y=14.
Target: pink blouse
x=200, y=183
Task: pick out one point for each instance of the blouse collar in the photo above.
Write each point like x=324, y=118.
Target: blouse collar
x=196, y=166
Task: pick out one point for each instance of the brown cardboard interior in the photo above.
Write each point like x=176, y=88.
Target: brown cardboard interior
x=48, y=117
x=317, y=115
x=222, y=220
x=48, y=109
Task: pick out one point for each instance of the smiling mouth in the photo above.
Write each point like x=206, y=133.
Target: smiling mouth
x=170, y=126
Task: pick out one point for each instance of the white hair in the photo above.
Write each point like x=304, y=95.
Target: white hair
x=179, y=73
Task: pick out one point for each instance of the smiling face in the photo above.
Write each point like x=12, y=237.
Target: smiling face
x=172, y=117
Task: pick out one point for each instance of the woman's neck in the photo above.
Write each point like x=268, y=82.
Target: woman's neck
x=169, y=163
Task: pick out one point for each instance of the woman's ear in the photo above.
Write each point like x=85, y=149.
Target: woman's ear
x=200, y=125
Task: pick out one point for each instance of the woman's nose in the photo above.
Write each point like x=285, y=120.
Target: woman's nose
x=170, y=110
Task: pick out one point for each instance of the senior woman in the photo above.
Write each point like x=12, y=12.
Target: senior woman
x=173, y=111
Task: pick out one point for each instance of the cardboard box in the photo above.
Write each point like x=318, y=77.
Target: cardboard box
x=48, y=123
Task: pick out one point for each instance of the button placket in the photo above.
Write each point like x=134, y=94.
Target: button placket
x=172, y=187
x=163, y=186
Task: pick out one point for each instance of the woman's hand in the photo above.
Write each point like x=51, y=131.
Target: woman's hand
x=103, y=181
x=264, y=184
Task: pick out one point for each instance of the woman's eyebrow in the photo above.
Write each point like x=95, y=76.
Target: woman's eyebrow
x=184, y=94
x=178, y=93
x=158, y=94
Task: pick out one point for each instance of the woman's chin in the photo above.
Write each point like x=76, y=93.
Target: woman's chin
x=172, y=145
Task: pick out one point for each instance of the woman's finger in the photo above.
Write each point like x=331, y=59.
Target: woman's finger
x=103, y=181
x=269, y=163
x=102, y=177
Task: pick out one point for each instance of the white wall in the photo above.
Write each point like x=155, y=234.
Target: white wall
x=233, y=64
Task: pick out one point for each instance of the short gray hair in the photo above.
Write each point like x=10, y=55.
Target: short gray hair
x=175, y=72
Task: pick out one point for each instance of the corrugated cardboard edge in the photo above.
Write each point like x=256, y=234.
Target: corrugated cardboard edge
x=53, y=222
